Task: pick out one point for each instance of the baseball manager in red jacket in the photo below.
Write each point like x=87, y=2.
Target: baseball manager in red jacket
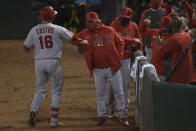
x=103, y=50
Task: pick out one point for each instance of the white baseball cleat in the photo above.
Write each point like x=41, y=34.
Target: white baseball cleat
x=55, y=123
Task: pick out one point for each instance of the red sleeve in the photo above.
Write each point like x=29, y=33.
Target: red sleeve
x=146, y=31
x=86, y=48
x=76, y=39
x=119, y=44
x=153, y=32
x=189, y=10
x=128, y=39
x=167, y=49
x=141, y=23
x=149, y=32
x=137, y=35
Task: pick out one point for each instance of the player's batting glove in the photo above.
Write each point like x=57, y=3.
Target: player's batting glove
x=84, y=42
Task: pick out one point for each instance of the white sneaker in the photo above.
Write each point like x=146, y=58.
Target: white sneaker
x=55, y=123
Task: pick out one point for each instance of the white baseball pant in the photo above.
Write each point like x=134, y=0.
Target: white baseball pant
x=125, y=71
x=47, y=69
x=102, y=76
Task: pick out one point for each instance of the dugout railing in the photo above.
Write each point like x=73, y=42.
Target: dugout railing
x=163, y=106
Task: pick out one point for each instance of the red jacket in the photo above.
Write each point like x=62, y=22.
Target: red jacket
x=127, y=33
x=112, y=43
x=175, y=46
x=156, y=61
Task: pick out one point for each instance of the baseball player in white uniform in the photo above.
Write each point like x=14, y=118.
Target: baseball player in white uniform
x=47, y=41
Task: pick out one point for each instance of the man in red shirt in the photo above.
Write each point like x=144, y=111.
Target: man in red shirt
x=155, y=34
x=175, y=46
x=155, y=14
x=103, y=53
x=129, y=32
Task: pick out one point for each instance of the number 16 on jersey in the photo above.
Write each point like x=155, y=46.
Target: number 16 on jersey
x=46, y=40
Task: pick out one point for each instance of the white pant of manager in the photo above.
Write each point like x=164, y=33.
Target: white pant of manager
x=102, y=76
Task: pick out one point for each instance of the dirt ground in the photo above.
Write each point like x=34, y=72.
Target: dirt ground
x=17, y=87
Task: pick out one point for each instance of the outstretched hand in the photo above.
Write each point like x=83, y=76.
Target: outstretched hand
x=158, y=40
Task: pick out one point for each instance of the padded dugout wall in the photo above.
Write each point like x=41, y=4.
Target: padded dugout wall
x=16, y=18
x=174, y=107
x=163, y=106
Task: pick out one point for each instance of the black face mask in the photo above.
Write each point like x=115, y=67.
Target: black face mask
x=124, y=21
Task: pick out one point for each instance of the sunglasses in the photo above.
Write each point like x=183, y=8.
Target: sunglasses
x=92, y=21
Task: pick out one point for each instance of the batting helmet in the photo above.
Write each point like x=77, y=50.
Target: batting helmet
x=48, y=13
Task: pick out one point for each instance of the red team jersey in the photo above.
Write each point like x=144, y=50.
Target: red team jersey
x=156, y=61
x=127, y=33
x=174, y=46
x=105, y=48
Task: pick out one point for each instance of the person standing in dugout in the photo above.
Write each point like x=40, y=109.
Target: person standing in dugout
x=103, y=51
x=129, y=32
x=154, y=14
x=157, y=37
x=46, y=38
x=175, y=46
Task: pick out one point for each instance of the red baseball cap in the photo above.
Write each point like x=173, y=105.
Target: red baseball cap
x=126, y=12
x=92, y=16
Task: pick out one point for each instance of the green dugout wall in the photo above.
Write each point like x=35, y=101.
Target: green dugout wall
x=174, y=107
x=162, y=106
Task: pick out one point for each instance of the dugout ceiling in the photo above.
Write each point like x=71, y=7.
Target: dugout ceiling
x=16, y=18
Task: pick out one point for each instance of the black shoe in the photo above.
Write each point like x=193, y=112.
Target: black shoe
x=32, y=120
